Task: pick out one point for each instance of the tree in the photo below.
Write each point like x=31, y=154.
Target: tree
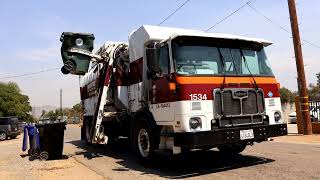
x=314, y=92
x=52, y=115
x=77, y=108
x=70, y=113
x=43, y=113
x=13, y=103
x=286, y=95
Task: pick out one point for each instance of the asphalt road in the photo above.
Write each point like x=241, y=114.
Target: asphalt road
x=268, y=160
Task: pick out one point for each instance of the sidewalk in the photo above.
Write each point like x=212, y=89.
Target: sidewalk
x=294, y=137
x=292, y=129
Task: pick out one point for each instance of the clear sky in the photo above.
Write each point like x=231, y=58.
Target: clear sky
x=30, y=32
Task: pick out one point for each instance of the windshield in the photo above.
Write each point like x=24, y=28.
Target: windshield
x=209, y=60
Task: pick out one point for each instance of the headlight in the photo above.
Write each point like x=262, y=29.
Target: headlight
x=277, y=116
x=195, y=122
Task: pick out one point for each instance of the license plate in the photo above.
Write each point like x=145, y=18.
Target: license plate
x=246, y=134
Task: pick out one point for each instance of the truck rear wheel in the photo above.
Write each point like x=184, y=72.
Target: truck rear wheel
x=232, y=149
x=144, y=143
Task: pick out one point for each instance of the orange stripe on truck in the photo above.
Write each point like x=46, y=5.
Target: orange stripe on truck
x=219, y=80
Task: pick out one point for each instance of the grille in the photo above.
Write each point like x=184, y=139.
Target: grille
x=239, y=106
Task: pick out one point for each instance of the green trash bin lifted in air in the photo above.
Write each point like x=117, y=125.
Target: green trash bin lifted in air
x=74, y=62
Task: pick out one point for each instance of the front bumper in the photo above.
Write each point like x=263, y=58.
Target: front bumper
x=228, y=135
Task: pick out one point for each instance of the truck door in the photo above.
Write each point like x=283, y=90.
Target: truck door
x=160, y=94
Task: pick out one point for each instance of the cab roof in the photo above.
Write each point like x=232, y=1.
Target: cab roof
x=148, y=33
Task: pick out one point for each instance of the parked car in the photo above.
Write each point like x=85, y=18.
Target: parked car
x=293, y=118
x=21, y=125
x=9, y=127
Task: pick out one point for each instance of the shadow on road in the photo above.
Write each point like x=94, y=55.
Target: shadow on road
x=8, y=140
x=190, y=164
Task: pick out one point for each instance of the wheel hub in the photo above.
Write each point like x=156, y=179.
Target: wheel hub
x=2, y=136
x=143, y=142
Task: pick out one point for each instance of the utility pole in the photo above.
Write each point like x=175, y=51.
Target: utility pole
x=61, y=103
x=304, y=101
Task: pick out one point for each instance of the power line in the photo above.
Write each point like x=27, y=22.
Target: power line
x=248, y=3
x=175, y=11
x=229, y=15
x=29, y=74
x=267, y=18
x=308, y=42
x=281, y=27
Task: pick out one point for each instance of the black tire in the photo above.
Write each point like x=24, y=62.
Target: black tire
x=3, y=136
x=64, y=70
x=232, y=149
x=34, y=153
x=144, y=141
x=68, y=67
x=44, y=155
x=32, y=158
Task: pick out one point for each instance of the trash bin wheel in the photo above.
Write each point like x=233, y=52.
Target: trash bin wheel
x=32, y=158
x=34, y=153
x=44, y=155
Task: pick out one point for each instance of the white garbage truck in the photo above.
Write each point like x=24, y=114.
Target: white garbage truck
x=173, y=89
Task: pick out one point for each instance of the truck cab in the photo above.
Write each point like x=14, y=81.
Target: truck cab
x=200, y=87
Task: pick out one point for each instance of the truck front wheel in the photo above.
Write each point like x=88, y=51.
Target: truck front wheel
x=232, y=149
x=144, y=143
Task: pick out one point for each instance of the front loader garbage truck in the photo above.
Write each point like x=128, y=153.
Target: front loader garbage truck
x=175, y=89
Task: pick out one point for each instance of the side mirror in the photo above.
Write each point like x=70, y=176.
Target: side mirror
x=74, y=62
x=152, y=62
